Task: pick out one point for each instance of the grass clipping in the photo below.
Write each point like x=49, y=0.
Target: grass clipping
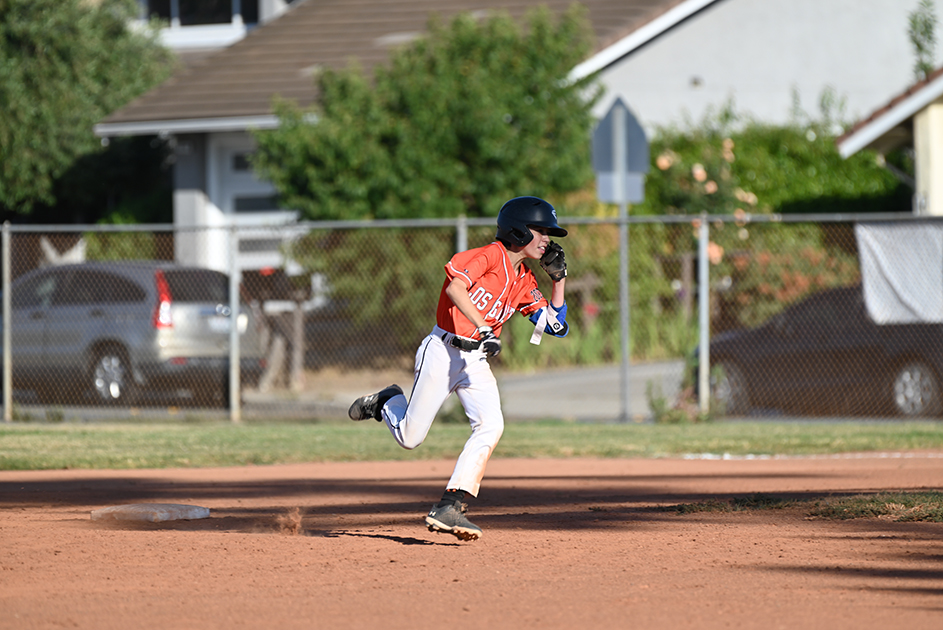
x=738, y=504
x=901, y=507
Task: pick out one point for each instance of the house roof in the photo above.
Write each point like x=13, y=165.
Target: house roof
x=890, y=126
x=233, y=88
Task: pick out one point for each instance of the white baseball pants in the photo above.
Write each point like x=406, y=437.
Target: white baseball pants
x=440, y=370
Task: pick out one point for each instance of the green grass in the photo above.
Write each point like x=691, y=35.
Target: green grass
x=757, y=501
x=901, y=507
x=28, y=446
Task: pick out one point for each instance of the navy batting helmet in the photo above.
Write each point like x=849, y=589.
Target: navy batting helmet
x=522, y=212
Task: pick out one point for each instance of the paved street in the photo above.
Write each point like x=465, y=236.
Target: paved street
x=583, y=394
x=588, y=393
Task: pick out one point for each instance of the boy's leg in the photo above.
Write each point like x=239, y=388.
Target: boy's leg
x=409, y=422
x=479, y=396
x=367, y=407
x=482, y=402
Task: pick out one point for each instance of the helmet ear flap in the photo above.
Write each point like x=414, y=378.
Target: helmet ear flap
x=522, y=237
x=514, y=235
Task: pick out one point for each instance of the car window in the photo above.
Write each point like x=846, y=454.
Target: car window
x=36, y=292
x=121, y=290
x=79, y=290
x=844, y=310
x=91, y=286
x=859, y=310
x=831, y=311
x=804, y=317
x=198, y=285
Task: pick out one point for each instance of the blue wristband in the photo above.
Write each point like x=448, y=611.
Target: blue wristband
x=561, y=317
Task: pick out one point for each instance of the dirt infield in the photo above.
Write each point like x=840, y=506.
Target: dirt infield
x=568, y=544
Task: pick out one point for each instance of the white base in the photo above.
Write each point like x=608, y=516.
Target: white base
x=153, y=512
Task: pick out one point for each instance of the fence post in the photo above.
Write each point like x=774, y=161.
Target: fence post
x=461, y=234
x=624, y=312
x=296, y=379
x=704, y=316
x=235, y=408
x=619, y=163
x=7, y=322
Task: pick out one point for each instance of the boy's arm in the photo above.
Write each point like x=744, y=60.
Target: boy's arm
x=458, y=293
x=557, y=294
x=557, y=309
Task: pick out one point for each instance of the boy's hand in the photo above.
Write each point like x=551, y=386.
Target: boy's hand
x=489, y=342
x=554, y=262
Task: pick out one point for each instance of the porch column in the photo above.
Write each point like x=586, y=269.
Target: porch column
x=928, y=145
x=190, y=199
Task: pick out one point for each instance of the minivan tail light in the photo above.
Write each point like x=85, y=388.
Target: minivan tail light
x=162, y=315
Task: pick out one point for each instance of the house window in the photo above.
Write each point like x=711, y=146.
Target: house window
x=199, y=12
x=256, y=245
x=194, y=12
x=240, y=162
x=157, y=8
x=255, y=203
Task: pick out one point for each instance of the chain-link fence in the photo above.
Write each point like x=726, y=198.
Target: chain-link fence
x=141, y=317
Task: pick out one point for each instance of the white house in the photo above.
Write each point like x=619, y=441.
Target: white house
x=669, y=60
x=912, y=119
x=759, y=54
x=194, y=29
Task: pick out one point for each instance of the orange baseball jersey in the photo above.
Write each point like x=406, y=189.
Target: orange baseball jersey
x=492, y=287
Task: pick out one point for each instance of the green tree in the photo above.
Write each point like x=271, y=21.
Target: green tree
x=727, y=164
x=471, y=114
x=922, y=32
x=64, y=64
x=735, y=167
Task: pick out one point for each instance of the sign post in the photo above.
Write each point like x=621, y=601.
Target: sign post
x=621, y=159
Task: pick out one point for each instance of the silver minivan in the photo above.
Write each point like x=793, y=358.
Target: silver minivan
x=116, y=332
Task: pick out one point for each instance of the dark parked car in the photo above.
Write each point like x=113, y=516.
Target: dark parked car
x=111, y=332
x=825, y=355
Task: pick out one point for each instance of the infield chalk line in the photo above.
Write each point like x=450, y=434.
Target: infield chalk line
x=892, y=455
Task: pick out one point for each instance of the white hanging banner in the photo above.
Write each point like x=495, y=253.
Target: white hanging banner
x=902, y=271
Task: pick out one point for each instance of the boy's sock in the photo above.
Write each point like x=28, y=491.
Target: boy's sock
x=451, y=496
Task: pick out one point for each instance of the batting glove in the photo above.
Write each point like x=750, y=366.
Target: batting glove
x=554, y=262
x=489, y=341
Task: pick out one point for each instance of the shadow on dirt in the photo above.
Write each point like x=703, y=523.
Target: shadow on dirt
x=603, y=490
x=403, y=540
x=372, y=509
x=327, y=505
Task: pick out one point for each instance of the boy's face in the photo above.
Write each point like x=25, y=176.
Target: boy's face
x=538, y=245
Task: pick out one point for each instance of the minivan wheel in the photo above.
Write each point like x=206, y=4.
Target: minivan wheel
x=916, y=391
x=112, y=381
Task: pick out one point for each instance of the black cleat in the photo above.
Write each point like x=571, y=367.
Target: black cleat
x=451, y=520
x=369, y=406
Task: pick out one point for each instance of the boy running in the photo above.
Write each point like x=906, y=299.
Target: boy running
x=483, y=287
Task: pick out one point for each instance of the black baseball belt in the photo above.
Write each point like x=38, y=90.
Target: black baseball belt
x=468, y=345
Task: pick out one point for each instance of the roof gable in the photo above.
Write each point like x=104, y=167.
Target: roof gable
x=637, y=34
x=234, y=88
x=882, y=128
